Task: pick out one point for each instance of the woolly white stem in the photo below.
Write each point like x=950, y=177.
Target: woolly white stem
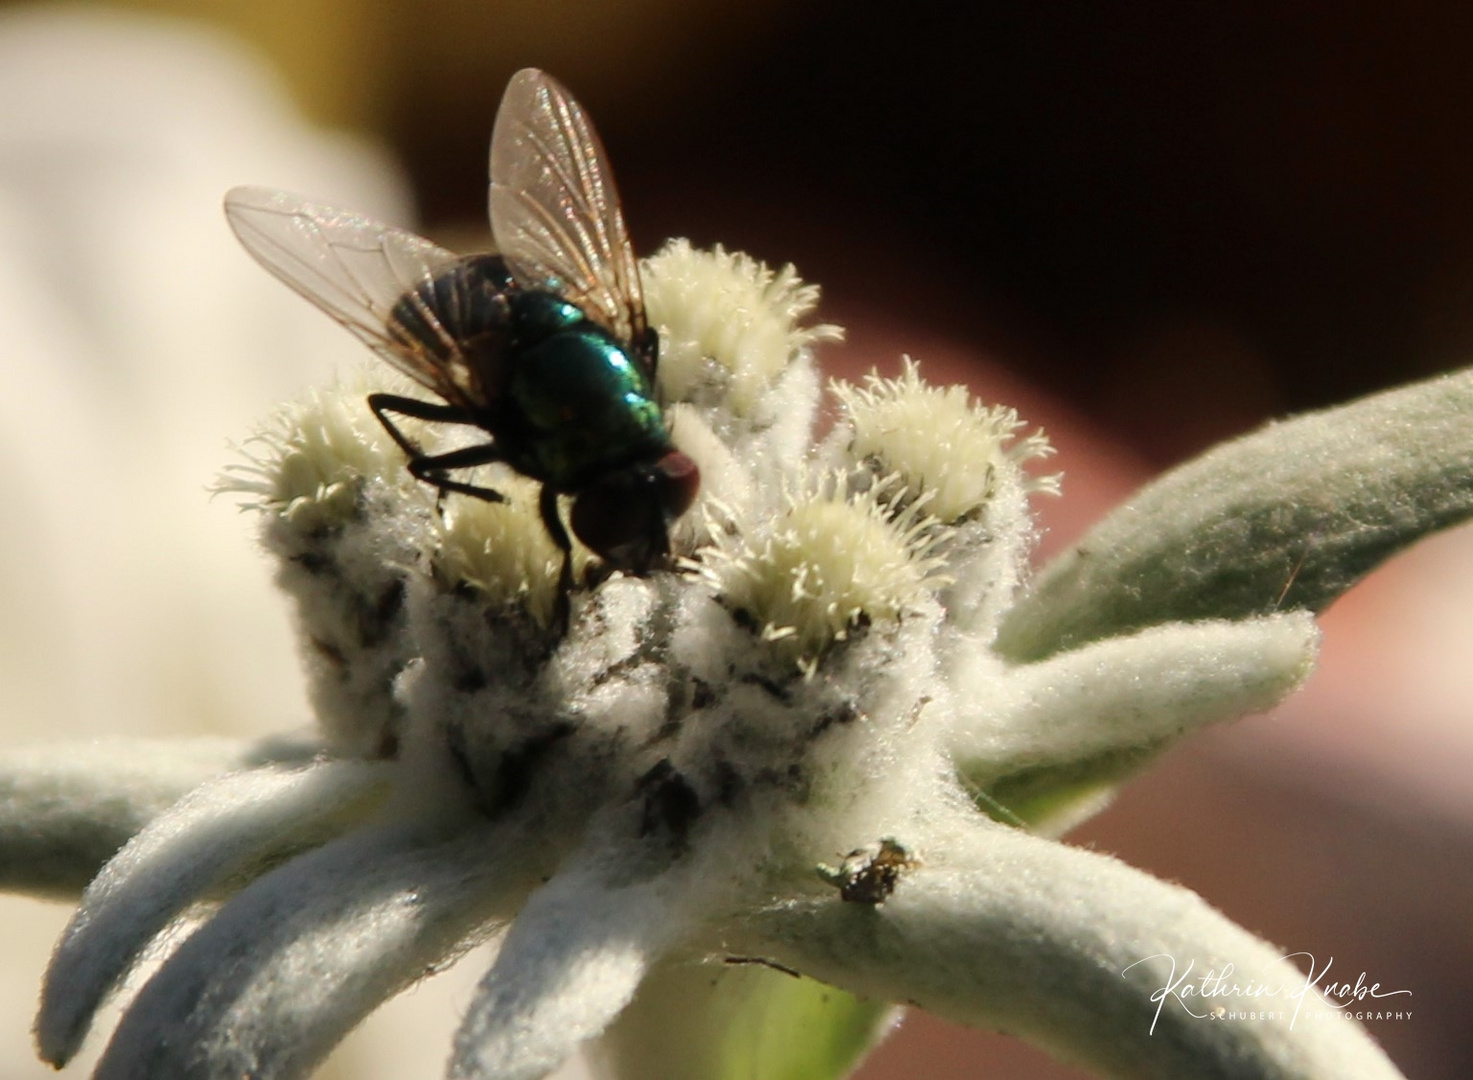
x=289, y=966
x=66, y=808
x=227, y=830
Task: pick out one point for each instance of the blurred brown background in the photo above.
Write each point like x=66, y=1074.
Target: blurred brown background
x=1176, y=219
x=1182, y=217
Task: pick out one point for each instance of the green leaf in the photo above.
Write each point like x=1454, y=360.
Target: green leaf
x=1289, y=516
x=1051, y=793
x=711, y=1021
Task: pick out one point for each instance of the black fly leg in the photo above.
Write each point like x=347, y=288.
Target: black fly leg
x=383, y=404
x=431, y=468
x=547, y=503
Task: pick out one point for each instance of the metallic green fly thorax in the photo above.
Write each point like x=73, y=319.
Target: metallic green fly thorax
x=586, y=405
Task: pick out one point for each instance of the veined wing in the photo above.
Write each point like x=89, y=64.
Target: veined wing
x=357, y=270
x=554, y=209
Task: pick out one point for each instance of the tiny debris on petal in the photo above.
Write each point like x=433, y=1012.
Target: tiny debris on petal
x=868, y=875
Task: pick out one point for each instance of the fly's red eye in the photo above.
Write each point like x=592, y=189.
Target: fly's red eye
x=680, y=482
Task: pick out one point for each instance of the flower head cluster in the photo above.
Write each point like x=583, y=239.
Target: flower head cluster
x=828, y=673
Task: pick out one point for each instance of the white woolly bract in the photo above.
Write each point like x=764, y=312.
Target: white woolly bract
x=214, y=840
x=726, y=480
x=938, y=440
x=271, y=983
x=728, y=308
x=66, y=807
x=996, y=921
x=831, y=559
x=571, y=961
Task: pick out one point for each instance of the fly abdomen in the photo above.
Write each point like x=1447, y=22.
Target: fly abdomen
x=461, y=310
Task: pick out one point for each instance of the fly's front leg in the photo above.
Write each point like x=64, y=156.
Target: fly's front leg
x=432, y=468
x=553, y=522
x=383, y=404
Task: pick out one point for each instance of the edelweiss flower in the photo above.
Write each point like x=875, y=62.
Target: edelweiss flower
x=809, y=771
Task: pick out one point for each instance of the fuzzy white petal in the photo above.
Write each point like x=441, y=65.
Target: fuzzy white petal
x=570, y=963
x=1128, y=693
x=66, y=808
x=290, y=965
x=1289, y=516
x=1002, y=929
x=226, y=830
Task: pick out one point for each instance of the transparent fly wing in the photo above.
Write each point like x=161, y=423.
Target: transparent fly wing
x=554, y=210
x=358, y=271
